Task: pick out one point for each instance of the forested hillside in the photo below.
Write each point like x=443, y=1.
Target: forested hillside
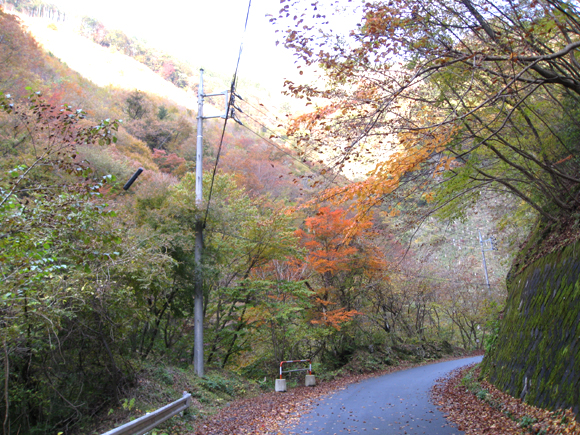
x=299, y=261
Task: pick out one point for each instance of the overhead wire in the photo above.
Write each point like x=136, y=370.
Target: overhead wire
x=335, y=173
x=268, y=141
x=229, y=114
x=267, y=128
x=276, y=146
x=288, y=154
x=267, y=113
x=270, y=130
x=230, y=104
x=276, y=135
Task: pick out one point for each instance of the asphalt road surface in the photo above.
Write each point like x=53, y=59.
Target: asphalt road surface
x=394, y=404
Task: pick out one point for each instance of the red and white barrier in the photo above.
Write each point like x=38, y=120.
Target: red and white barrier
x=309, y=369
x=310, y=381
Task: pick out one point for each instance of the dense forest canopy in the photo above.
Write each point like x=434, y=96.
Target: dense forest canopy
x=465, y=104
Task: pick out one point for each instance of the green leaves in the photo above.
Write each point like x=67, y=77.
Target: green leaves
x=17, y=171
x=50, y=214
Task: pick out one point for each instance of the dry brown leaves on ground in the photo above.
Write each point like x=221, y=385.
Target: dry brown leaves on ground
x=477, y=407
x=271, y=413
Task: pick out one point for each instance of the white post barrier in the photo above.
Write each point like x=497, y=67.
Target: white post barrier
x=310, y=380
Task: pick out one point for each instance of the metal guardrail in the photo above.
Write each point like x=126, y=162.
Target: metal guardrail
x=150, y=421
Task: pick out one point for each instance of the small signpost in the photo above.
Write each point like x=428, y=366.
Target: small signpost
x=310, y=380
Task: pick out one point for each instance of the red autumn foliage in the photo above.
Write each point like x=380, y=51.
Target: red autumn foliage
x=167, y=70
x=169, y=163
x=337, y=253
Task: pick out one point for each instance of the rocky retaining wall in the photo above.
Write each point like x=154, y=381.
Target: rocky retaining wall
x=537, y=352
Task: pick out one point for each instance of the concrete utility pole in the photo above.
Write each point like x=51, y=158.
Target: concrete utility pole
x=198, y=300
x=493, y=248
x=198, y=361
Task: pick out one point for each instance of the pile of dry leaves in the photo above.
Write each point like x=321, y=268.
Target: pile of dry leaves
x=477, y=407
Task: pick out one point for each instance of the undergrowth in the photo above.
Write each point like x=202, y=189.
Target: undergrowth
x=158, y=386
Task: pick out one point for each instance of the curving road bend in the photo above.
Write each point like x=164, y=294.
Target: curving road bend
x=393, y=404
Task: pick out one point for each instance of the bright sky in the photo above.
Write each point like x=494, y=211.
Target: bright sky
x=205, y=31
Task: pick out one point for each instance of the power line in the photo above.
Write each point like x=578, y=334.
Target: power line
x=229, y=113
x=287, y=153
x=335, y=175
x=241, y=47
x=269, y=129
x=268, y=114
x=276, y=146
x=230, y=104
x=302, y=162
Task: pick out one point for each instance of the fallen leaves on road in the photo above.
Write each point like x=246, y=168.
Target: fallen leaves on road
x=271, y=413
x=486, y=410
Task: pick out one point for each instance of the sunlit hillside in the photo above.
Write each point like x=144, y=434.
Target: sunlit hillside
x=103, y=66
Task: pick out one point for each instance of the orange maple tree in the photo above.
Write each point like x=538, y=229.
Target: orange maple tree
x=339, y=265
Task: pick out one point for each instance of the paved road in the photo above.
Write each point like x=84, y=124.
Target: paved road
x=392, y=404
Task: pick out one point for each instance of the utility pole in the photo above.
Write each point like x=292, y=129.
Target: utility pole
x=198, y=299
x=482, y=242
x=198, y=361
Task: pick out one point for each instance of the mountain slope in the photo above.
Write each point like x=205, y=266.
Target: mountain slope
x=103, y=66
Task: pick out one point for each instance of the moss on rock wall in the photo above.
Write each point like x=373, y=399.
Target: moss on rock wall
x=537, y=352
